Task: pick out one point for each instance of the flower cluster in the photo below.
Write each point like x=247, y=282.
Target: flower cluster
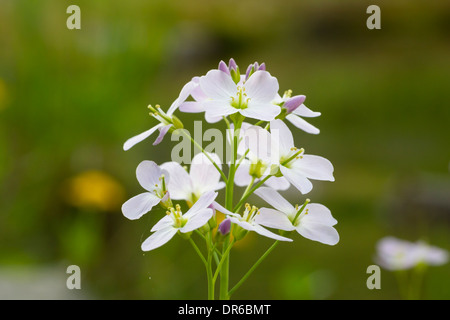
x=263, y=158
x=398, y=254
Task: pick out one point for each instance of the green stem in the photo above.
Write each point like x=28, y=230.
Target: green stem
x=224, y=177
x=249, y=272
x=199, y=252
x=246, y=195
x=216, y=251
x=209, y=272
x=224, y=269
x=219, y=266
x=242, y=158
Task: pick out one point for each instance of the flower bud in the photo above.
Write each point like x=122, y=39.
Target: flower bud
x=224, y=227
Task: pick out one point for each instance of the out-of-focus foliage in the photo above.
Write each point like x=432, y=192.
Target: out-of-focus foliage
x=70, y=98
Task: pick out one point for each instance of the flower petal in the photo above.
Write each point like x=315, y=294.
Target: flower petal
x=277, y=183
x=297, y=179
x=319, y=232
x=275, y=199
x=302, y=124
x=148, y=174
x=314, y=167
x=198, y=220
x=138, y=138
x=260, y=143
x=242, y=176
x=180, y=185
x=218, y=85
x=218, y=108
x=158, y=238
x=274, y=219
x=261, y=87
x=187, y=89
x=139, y=205
x=203, y=173
x=162, y=132
x=192, y=107
x=318, y=213
x=222, y=209
x=303, y=111
x=212, y=118
x=203, y=202
x=281, y=136
x=165, y=222
x=266, y=233
x=260, y=110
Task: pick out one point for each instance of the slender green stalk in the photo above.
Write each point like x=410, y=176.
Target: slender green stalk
x=246, y=195
x=416, y=282
x=242, y=158
x=250, y=271
x=216, y=251
x=219, y=266
x=224, y=269
x=209, y=272
x=199, y=252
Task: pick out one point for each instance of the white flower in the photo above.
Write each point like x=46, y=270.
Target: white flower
x=252, y=220
x=397, y=254
x=277, y=148
x=251, y=98
x=202, y=177
x=196, y=217
x=225, y=86
x=167, y=120
x=152, y=178
x=313, y=221
x=197, y=105
x=251, y=166
x=295, y=109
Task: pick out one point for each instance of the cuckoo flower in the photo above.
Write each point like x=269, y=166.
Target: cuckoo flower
x=175, y=221
x=167, y=120
x=196, y=106
x=202, y=177
x=397, y=254
x=286, y=160
x=250, y=97
x=252, y=220
x=207, y=94
x=251, y=167
x=312, y=220
x=293, y=109
x=154, y=180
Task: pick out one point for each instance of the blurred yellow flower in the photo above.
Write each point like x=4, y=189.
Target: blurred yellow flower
x=94, y=189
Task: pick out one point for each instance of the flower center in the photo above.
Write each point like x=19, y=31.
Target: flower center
x=240, y=101
x=160, y=189
x=177, y=216
x=300, y=214
x=294, y=154
x=250, y=213
x=257, y=169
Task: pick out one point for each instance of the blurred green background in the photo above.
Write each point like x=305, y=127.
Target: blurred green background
x=70, y=98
